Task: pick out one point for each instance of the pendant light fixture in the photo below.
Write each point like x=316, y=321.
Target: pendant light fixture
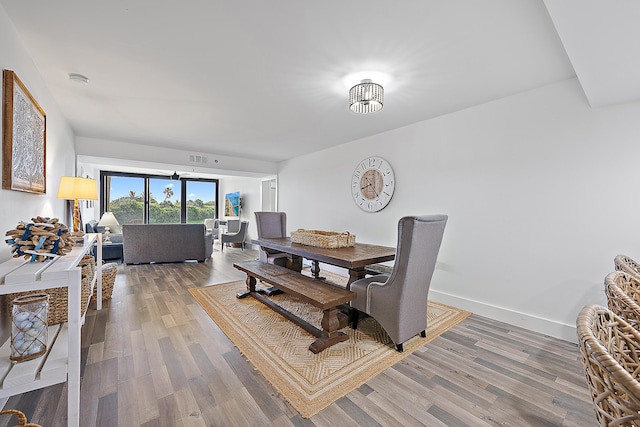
x=366, y=97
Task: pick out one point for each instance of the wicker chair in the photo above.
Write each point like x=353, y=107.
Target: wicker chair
x=626, y=264
x=610, y=349
x=623, y=296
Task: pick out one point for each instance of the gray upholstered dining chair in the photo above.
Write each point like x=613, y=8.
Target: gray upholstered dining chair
x=237, y=237
x=272, y=225
x=399, y=301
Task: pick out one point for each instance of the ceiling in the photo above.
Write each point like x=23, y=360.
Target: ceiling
x=265, y=80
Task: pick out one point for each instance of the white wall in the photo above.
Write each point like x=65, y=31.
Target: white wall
x=249, y=189
x=16, y=206
x=541, y=193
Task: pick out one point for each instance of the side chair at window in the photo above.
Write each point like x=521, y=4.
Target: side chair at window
x=237, y=237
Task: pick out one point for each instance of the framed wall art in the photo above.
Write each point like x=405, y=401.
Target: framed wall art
x=23, y=138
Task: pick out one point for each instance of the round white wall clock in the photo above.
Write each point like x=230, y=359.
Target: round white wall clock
x=372, y=184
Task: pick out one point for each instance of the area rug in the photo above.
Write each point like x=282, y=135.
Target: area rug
x=279, y=349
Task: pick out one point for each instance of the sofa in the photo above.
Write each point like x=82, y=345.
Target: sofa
x=146, y=243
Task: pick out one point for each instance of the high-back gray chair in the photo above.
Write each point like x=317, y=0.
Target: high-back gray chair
x=399, y=301
x=272, y=225
x=237, y=237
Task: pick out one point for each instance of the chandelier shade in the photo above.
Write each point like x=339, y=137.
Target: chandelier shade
x=366, y=97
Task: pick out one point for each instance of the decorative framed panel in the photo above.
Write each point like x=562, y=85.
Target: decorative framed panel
x=24, y=141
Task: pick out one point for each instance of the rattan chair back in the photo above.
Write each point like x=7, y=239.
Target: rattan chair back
x=610, y=350
x=626, y=264
x=623, y=296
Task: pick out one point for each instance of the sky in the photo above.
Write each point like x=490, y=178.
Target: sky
x=120, y=186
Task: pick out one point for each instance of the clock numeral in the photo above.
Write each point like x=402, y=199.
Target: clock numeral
x=356, y=195
x=372, y=162
x=356, y=174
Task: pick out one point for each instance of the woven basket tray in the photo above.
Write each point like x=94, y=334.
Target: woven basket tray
x=59, y=297
x=109, y=272
x=323, y=239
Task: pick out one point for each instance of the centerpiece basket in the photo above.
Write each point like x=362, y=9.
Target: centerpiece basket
x=323, y=239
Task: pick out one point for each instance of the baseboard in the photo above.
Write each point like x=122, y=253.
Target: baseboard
x=527, y=321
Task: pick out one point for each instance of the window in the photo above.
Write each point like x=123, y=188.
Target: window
x=201, y=200
x=151, y=199
x=124, y=196
x=164, y=201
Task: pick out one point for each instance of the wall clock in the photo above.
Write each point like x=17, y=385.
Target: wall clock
x=372, y=184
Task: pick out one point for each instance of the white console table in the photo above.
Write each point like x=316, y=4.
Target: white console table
x=62, y=360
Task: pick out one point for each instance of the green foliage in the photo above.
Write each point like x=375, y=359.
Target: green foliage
x=129, y=209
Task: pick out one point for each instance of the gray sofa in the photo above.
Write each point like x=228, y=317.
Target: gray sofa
x=145, y=243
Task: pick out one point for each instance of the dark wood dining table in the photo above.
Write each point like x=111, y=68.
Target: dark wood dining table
x=354, y=258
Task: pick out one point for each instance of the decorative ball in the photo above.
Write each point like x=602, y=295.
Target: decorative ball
x=39, y=240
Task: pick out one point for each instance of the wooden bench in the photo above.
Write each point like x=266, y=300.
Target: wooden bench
x=323, y=295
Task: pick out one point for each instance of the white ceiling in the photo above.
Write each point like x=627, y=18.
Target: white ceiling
x=264, y=80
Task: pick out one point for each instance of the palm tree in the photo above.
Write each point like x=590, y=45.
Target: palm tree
x=168, y=192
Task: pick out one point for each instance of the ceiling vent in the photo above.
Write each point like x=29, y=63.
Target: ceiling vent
x=203, y=160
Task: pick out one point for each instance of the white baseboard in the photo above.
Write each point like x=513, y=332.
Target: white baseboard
x=527, y=321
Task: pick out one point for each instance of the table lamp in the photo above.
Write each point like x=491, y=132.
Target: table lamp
x=75, y=188
x=107, y=221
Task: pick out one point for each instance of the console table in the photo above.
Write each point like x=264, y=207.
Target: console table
x=62, y=361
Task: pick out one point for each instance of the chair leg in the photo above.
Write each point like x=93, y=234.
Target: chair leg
x=354, y=316
x=423, y=334
x=399, y=347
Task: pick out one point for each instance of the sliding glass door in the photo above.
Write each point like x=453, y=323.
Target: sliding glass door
x=152, y=199
x=124, y=196
x=201, y=200
x=164, y=201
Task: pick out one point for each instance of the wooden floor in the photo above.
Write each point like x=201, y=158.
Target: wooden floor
x=152, y=357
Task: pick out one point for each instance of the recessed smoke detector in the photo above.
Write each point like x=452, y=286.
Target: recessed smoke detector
x=79, y=78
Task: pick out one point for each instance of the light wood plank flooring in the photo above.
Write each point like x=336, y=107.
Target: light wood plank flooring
x=152, y=357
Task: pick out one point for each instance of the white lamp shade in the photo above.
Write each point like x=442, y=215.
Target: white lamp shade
x=72, y=188
x=109, y=220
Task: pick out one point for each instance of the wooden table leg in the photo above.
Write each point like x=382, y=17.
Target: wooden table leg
x=354, y=275
x=294, y=262
x=251, y=287
x=330, y=334
x=315, y=270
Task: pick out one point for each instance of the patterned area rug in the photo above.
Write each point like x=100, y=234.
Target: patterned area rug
x=279, y=349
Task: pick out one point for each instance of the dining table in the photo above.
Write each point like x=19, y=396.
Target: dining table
x=354, y=258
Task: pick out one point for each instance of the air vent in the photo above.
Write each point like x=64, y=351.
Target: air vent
x=198, y=159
